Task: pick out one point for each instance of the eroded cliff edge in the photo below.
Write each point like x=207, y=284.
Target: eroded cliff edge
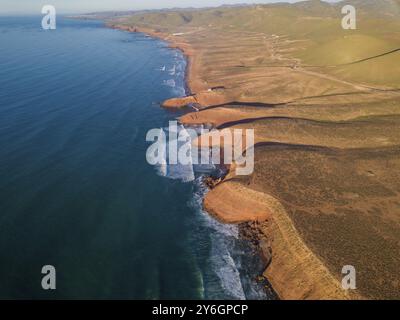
x=325, y=190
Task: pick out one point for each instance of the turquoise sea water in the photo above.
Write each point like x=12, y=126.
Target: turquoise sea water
x=76, y=191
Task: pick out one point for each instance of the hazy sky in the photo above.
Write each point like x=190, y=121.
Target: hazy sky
x=79, y=6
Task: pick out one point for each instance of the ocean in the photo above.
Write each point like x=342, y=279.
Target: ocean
x=76, y=191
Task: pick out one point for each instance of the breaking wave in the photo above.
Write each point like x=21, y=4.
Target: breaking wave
x=170, y=83
x=184, y=172
x=223, y=281
x=234, y=266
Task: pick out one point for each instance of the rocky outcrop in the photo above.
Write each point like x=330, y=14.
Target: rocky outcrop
x=179, y=102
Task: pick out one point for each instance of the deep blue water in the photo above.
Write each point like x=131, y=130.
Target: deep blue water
x=76, y=191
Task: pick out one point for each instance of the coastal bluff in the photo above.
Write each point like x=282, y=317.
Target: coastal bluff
x=325, y=191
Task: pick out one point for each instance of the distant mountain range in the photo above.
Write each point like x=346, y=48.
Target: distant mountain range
x=313, y=7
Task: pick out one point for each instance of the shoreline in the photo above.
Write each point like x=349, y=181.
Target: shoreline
x=197, y=92
x=172, y=45
x=247, y=231
x=289, y=275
